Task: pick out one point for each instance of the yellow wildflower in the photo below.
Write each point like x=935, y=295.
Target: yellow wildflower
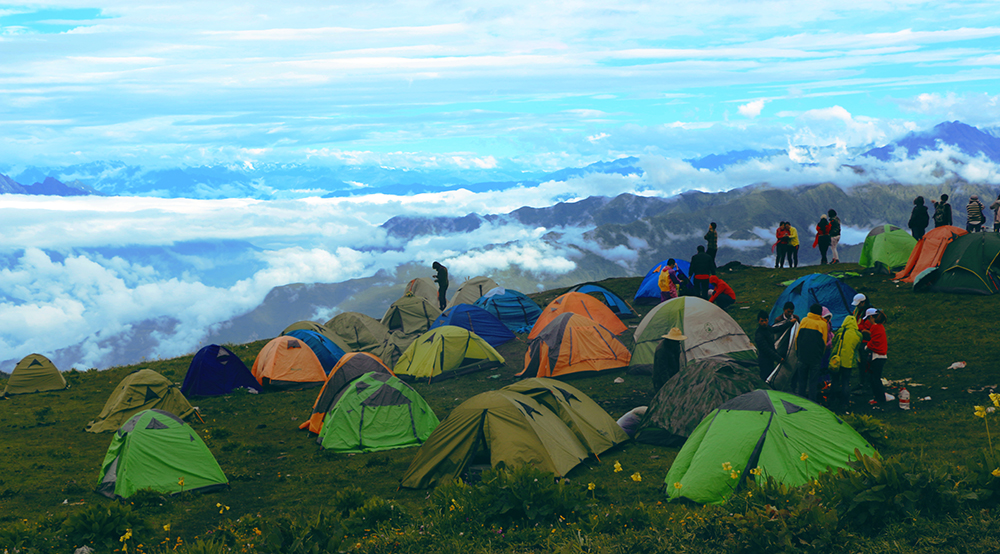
x=980, y=411
x=726, y=466
x=618, y=466
x=755, y=471
x=735, y=475
x=678, y=485
x=591, y=486
x=804, y=457
x=181, y=482
x=636, y=477
x=166, y=528
x=996, y=472
x=995, y=398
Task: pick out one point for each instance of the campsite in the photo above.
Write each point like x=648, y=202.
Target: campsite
x=283, y=486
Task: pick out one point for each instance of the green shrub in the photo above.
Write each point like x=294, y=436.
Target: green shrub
x=347, y=500
x=102, y=527
x=871, y=429
x=375, y=512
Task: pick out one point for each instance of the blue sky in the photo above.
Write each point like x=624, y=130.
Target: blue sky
x=474, y=84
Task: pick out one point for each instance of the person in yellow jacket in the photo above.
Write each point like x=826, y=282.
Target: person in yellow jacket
x=843, y=360
x=793, y=246
x=668, y=281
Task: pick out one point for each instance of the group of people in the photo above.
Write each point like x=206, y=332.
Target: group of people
x=975, y=211
x=827, y=238
x=703, y=281
x=860, y=342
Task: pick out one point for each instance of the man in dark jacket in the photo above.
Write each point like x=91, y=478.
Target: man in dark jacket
x=810, y=348
x=442, y=281
x=942, y=212
x=768, y=357
x=702, y=266
x=918, y=218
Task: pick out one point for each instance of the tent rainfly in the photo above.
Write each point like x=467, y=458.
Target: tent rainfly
x=34, y=373
x=143, y=389
x=215, y=370
x=580, y=304
x=349, y=368
x=445, y=352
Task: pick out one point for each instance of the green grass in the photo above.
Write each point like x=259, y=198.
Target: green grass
x=50, y=464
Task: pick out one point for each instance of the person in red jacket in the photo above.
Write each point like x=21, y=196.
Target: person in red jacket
x=723, y=295
x=822, y=238
x=878, y=346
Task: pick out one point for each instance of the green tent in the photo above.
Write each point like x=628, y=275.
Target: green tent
x=444, y=352
x=710, y=331
x=784, y=436
x=595, y=429
x=143, y=389
x=971, y=264
x=687, y=397
x=156, y=450
x=511, y=428
x=376, y=412
x=34, y=373
x=410, y=316
x=358, y=331
x=888, y=247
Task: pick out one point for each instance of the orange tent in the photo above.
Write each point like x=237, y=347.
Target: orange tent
x=572, y=344
x=928, y=251
x=580, y=304
x=351, y=366
x=288, y=363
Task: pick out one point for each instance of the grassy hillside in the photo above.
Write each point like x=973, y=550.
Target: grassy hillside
x=50, y=464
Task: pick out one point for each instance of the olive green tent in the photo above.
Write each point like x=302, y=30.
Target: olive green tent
x=686, y=398
x=444, y=352
x=142, y=389
x=472, y=290
x=34, y=373
x=782, y=435
x=410, y=316
x=887, y=247
x=971, y=265
x=156, y=450
x=376, y=412
x=361, y=333
x=595, y=429
x=511, y=428
x=710, y=331
x=424, y=287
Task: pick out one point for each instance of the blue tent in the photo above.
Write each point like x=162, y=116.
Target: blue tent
x=477, y=320
x=649, y=289
x=512, y=308
x=325, y=349
x=611, y=300
x=216, y=370
x=830, y=292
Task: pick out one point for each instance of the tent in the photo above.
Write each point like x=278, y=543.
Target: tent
x=830, y=292
x=361, y=333
x=446, y=352
x=649, y=289
x=424, y=287
x=618, y=306
x=216, y=370
x=512, y=308
x=710, y=331
x=686, y=398
x=572, y=344
x=317, y=328
x=511, y=428
x=593, y=427
x=410, y=316
x=472, y=290
x=326, y=351
x=477, y=320
x=970, y=265
x=143, y=389
x=349, y=368
x=34, y=373
x=288, y=363
x=156, y=450
x=785, y=436
x=580, y=304
x=927, y=253
x=887, y=246
x=376, y=412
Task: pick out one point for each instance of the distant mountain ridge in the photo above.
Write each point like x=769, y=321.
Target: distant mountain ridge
x=50, y=186
x=966, y=138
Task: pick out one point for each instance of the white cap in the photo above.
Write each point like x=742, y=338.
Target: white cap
x=870, y=312
x=858, y=298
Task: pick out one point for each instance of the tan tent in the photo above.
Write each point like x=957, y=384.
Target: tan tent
x=472, y=290
x=410, y=316
x=288, y=363
x=423, y=287
x=358, y=331
x=143, y=389
x=35, y=373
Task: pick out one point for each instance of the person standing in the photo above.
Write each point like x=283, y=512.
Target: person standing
x=918, y=218
x=768, y=356
x=667, y=358
x=712, y=238
x=724, y=295
x=810, y=346
x=942, y=211
x=442, y=281
x=822, y=238
x=995, y=206
x=793, y=245
x=976, y=219
x=844, y=359
x=834, y=234
x=878, y=346
x=702, y=267
x=781, y=246
x=668, y=281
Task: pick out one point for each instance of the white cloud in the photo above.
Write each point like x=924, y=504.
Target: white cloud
x=751, y=109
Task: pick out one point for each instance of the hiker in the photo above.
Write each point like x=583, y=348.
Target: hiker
x=918, y=218
x=782, y=245
x=793, y=245
x=712, y=238
x=834, y=235
x=878, y=346
x=768, y=356
x=667, y=358
x=442, y=281
x=810, y=346
x=668, y=281
x=723, y=295
x=785, y=319
x=822, y=238
x=860, y=305
x=995, y=206
x=843, y=359
x=976, y=219
x=942, y=211
x=702, y=266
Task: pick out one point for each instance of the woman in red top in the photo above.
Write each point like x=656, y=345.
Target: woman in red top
x=782, y=246
x=822, y=238
x=878, y=346
x=724, y=295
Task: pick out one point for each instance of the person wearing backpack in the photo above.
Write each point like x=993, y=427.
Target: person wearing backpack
x=834, y=235
x=976, y=219
x=942, y=212
x=844, y=359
